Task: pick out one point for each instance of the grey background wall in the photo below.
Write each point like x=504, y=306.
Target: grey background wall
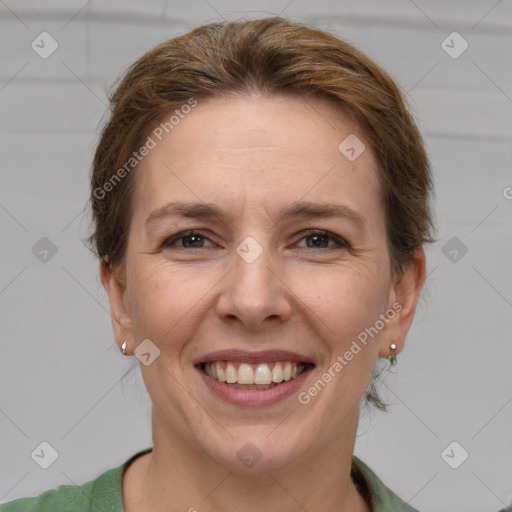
x=63, y=380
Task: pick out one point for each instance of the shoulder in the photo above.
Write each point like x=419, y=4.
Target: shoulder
x=383, y=498
x=104, y=493
x=64, y=498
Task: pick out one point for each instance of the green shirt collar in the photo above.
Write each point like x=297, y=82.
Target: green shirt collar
x=107, y=490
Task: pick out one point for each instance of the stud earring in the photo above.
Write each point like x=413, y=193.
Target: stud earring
x=123, y=347
x=392, y=357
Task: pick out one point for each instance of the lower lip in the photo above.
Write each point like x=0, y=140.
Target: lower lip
x=254, y=397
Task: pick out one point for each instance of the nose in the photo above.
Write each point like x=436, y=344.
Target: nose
x=254, y=293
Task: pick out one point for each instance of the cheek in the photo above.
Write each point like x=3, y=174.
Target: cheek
x=345, y=299
x=165, y=299
x=346, y=311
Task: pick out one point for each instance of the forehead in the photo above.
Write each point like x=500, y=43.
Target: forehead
x=275, y=149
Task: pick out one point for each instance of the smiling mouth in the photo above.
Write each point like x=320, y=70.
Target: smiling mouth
x=254, y=376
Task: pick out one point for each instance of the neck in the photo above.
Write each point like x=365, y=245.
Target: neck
x=177, y=476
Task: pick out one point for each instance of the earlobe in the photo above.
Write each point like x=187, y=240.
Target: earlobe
x=404, y=295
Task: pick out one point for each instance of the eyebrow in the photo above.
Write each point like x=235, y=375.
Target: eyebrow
x=303, y=209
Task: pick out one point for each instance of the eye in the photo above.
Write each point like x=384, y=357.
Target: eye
x=320, y=238
x=189, y=240
x=195, y=240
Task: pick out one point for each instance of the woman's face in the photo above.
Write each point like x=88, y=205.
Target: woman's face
x=265, y=286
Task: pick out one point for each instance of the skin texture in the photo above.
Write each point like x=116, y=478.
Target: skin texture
x=251, y=156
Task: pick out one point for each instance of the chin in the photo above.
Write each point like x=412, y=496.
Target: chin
x=254, y=450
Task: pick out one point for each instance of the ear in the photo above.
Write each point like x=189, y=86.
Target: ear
x=403, y=298
x=116, y=290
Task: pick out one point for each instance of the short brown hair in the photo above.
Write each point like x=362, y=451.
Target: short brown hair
x=267, y=56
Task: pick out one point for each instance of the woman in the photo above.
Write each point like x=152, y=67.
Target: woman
x=260, y=195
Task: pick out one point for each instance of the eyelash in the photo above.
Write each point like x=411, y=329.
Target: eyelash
x=341, y=242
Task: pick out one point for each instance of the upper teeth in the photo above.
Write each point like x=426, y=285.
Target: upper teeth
x=243, y=373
